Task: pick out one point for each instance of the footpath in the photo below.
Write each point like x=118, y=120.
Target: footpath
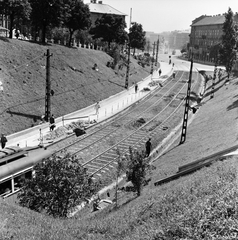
x=37, y=135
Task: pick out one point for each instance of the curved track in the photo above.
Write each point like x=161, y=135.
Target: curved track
x=160, y=111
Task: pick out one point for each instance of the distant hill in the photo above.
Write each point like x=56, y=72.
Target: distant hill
x=75, y=83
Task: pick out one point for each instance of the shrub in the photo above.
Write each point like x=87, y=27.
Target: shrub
x=137, y=167
x=59, y=184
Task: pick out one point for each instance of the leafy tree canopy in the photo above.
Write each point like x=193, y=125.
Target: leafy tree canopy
x=46, y=13
x=60, y=183
x=137, y=36
x=110, y=29
x=76, y=16
x=15, y=10
x=229, y=42
x=137, y=169
x=184, y=48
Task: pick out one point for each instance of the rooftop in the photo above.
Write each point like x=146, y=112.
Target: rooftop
x=210, y=20
x=104, y=9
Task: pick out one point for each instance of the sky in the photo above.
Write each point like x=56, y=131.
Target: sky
x=169, y=15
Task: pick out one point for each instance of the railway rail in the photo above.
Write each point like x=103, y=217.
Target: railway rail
x=156, y=110
x=160, y=111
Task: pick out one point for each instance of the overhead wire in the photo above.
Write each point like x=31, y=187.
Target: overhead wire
x=26, y=63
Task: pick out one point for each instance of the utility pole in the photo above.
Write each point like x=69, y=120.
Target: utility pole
x=48, y=87
x=185, y=118
x=213, y=81
x=157, y=52
x=128, y=56
x=152, y=62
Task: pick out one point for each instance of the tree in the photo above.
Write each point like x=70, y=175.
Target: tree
x=45, y=14
x=137, y=37
x=229, y=41
x=137, y=168
x=184, y=48
x=16, y=10
x=76, y=17
x=110, y=29
x=121, y=167
x=148, y=46
x=59, y=184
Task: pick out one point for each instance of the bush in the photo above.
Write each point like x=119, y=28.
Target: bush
x=137, y=168
x=59, y=184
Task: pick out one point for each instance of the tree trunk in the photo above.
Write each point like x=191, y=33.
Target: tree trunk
x=43, y=33
x=11, y=25
x=70, y=37
x=138, y=188
x=35, y=34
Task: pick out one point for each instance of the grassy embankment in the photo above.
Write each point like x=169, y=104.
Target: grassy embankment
x=75, y=83
x=202, y=205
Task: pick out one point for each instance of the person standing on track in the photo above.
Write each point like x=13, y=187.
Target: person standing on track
x=148, y=147
x=3, y=141
x=160, y=72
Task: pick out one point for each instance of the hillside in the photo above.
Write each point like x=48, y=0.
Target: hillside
x=75, y=83
x=202, y=205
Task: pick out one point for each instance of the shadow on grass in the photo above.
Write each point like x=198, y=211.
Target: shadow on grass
x=233, y=105
x=34, y=117
x=214, y=91
x=116, y=84
x=126, y=202
x=171, y=149
x=4, y=39
x=235, y=74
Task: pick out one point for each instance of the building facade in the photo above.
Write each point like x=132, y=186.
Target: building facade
x=206, y=34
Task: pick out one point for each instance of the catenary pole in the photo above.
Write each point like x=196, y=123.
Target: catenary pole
x=48, y=87
x=213, y=81
x=152, y=62
x=157, y=52
x=128, y=55
x=185, y=118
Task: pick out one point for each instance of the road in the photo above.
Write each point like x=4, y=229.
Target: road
x=181, y=64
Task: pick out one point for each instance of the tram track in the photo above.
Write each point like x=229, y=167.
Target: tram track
x=105, y=130
x=169, y=99
x=97, y=150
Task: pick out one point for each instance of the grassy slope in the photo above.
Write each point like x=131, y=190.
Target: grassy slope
x=75, y=83
x=199, y=206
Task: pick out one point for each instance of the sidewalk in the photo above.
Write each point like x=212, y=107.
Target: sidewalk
x=108, y=107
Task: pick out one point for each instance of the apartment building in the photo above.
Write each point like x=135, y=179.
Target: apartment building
x=206, y=32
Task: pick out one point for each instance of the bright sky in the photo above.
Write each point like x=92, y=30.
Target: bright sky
x=168, y=15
